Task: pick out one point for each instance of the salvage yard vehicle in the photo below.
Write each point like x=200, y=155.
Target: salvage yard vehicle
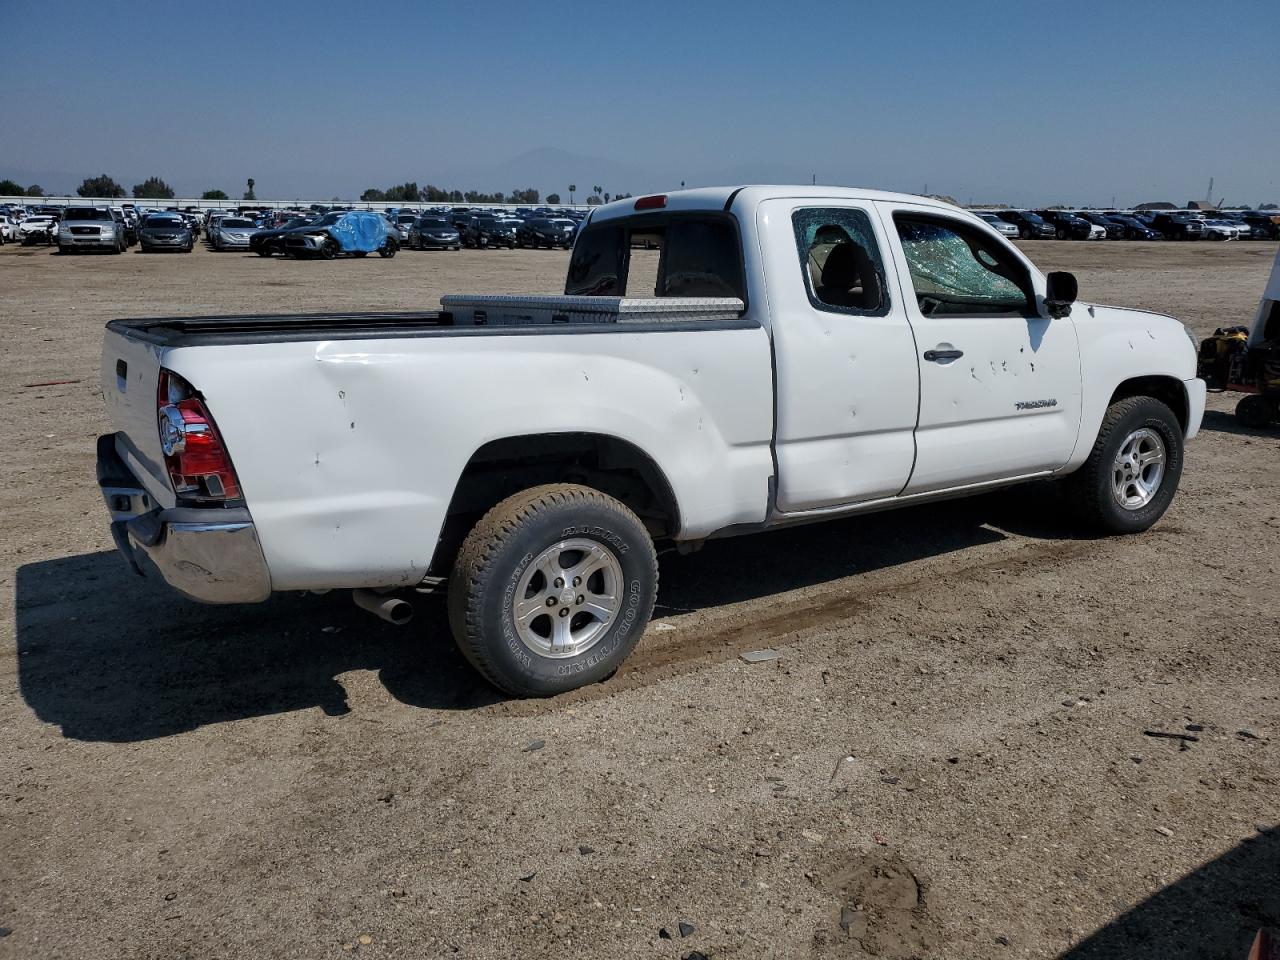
x=434, y=232
x=1134, y=229
x=128, y=223
x=232, y=233
x=38, y=229
x=1178, y=226
x=1030, y=226
x=1216, y=228
x=90, y=228
x=788, y=354
x=1247, y=359
x=488, y=231
x=266, y=242
x=357, y=233
x=1002, y=227
x=1111, y=229
x=1069, y=226
x=1262, y=225
x=545, y=232
x=165, y=231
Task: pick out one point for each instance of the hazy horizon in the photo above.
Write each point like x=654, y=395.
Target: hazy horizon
x=1074, y=103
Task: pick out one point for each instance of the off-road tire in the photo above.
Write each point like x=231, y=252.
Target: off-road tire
x=1092, y=484
x=1255, y=411
x=496, y=554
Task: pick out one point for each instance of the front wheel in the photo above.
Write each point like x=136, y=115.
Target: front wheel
x=552, y=589
x=1132, y=472
x=328, y=249
x=388, y=249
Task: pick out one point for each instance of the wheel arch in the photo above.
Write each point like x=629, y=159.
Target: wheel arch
x=1167, y=389
x=503, y=466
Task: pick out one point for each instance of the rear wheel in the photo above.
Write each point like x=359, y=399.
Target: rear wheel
x=1132, y=472
x=552, y=589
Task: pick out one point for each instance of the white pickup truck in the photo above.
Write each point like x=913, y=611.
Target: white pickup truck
x=723, y=361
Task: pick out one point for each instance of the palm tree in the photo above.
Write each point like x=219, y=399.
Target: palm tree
x=571, y=189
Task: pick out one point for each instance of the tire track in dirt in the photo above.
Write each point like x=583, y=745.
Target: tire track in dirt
x=725, y=634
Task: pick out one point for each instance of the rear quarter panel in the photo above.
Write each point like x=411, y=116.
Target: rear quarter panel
x=348, y=452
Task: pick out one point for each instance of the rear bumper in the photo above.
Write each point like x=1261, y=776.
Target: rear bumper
x=208, y=554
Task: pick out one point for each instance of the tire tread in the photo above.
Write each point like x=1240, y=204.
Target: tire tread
x=474, y=564
x=1088, y=489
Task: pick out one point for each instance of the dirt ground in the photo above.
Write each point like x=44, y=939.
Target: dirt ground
x=948, y=759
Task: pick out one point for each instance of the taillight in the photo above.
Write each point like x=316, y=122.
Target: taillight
x=194, y=454
x=656, y=202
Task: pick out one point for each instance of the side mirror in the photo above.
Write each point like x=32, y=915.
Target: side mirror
x=1060, y=293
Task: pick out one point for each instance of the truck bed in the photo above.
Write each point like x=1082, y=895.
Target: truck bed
x=463, y=315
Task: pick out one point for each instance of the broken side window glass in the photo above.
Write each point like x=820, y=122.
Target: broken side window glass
x=841, y=261
x=957, y=271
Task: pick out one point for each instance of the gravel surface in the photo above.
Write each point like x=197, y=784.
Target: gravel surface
x=948, y=757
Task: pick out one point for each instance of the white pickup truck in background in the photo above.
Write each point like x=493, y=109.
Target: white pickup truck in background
x=786, y=354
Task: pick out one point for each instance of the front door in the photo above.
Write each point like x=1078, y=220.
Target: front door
x=999, y=379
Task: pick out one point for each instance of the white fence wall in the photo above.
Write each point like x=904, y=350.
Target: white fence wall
x=183, y=202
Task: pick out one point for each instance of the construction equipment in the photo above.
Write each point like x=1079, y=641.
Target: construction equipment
x=1247, y=360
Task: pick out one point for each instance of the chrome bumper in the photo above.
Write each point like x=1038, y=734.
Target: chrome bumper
x=208, y=554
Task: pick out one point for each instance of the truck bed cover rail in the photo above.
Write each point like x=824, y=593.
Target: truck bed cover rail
x=463, y=315
x=469, y=309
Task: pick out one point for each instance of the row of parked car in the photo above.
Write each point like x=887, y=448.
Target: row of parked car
x=331, y=231
x=435, y=229
x=109, y=229
x=1135, y=224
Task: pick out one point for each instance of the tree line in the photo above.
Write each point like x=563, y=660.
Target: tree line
x=411, y=193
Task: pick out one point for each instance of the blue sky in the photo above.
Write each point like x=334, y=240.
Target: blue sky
x=1024, y=102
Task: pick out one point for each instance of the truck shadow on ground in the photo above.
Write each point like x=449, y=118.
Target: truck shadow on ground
x=109, y=656
x=1214, y=911
x=1220, y=422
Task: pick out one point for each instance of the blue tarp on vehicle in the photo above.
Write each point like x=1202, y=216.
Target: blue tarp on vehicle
x=359, y=232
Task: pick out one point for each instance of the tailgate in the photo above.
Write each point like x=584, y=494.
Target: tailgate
x=130, y=374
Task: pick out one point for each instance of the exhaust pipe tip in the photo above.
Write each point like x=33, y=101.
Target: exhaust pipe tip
x=391, y=609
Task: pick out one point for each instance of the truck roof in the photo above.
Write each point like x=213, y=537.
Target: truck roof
x=718, y=198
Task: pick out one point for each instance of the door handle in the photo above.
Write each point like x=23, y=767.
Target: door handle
x=940, y=356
